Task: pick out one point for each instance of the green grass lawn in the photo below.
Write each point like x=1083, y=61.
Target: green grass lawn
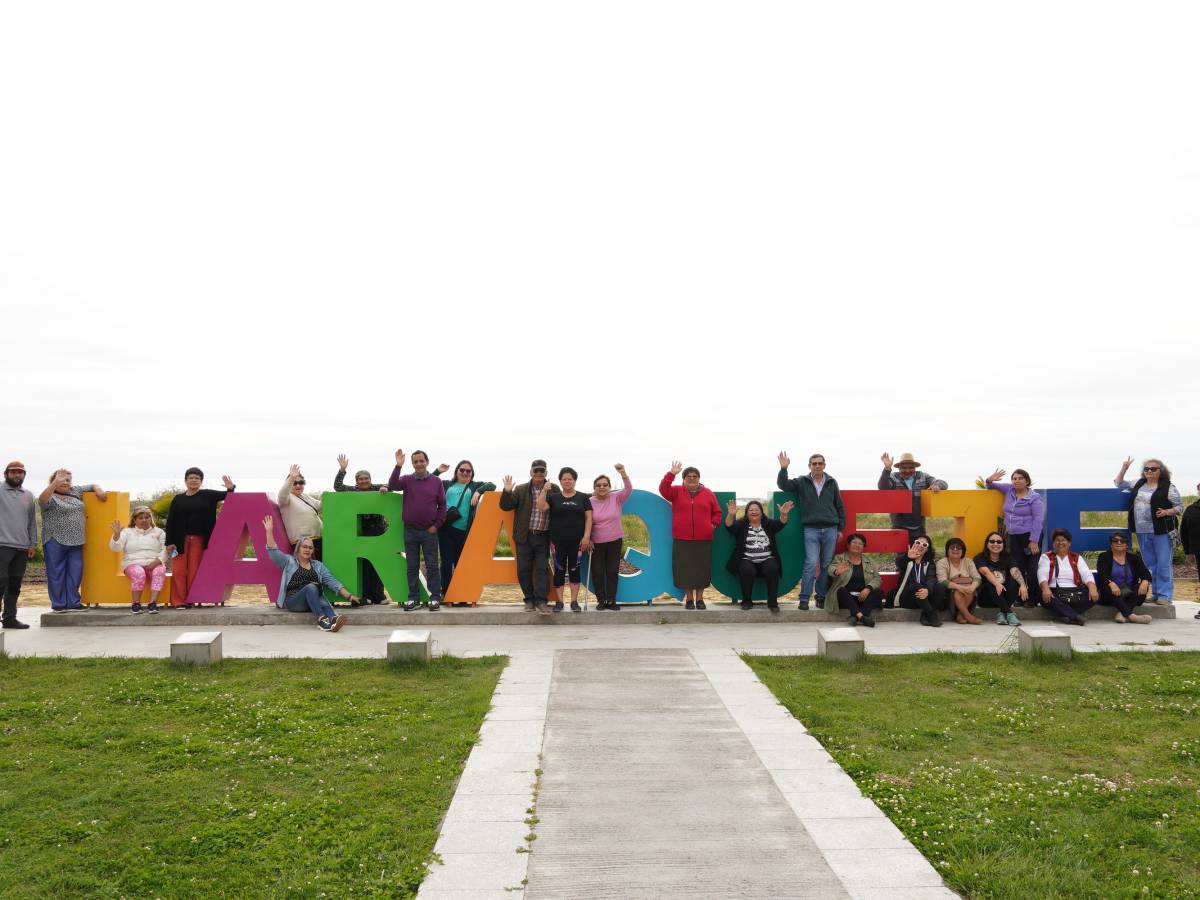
x=1021, y=779
x=133, y=778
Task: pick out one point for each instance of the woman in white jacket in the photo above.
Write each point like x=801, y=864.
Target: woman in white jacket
x=143, y=549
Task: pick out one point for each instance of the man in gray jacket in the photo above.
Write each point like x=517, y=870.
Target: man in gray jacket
x=907, y=478
x=18, y=538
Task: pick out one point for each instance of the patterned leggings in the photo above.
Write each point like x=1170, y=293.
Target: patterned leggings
x=137, y=578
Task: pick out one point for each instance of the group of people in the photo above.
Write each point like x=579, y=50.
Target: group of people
x=555, y=525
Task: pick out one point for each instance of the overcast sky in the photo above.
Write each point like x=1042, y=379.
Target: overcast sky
x=241, y=235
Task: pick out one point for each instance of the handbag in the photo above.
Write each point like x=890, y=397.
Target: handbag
x=453, y=514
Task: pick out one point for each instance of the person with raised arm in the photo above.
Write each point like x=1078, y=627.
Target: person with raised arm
x=824, y=516
x=531, y=535
x=302, y=580
x=424, y=513
x=905, y=477
x=855, y=583
x=143, y=549
x=755, y=549
x=463, y=494
x=1154, y=509
x=301, y=512
x=1123, y=580
x=570, y=532
x=191, y=518
x=695, y=513
x=608, y=537
x=918, y=578
x=1024, y=512
x=1067, y=584
x=63, y=531
x=373, y=525
x=18, y=539
x=1003, y=583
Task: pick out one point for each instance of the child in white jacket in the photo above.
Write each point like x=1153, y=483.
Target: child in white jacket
x=143, y=549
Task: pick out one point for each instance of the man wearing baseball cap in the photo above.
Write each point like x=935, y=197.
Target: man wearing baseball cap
x=18, y=538
x=531, y=535
x=907, y=478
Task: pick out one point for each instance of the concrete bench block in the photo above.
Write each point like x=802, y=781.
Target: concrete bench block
x=197, y=648
x=1033, y=639
x=409, y=644
x=845, y=644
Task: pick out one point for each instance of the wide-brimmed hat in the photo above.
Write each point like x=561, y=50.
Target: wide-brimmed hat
x=907, y=458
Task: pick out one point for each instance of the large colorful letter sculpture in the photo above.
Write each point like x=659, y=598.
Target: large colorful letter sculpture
x=1064, y=506
x=975, y=514
x=479, y=564
x=345, y=549
x=103, y=580
x=791, y=551
x=239, y=523
x=656, y=577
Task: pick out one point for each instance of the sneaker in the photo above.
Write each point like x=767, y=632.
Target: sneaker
x=1164, y=601
x=575, y=607
x=803, y=605
x=558, y=607
x=63, y=610
x=820, y=603
x=152, y=609
x=324, y=624
x=434, y=604
x=411, y=605
x=689, y=605
x=543, y=609
x=746, y=604
x=1140, y=618
x=137, y=609
x=1013, y=620
x=855, y=620
x=14, y=625
x=614, y=606
x=868, y=621
x=1001, y=619
x=338, y=622
x=1119, y=618
x=528, y=606
x=700, y=605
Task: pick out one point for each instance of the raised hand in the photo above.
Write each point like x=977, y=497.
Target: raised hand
x=886, y=459
x=116, y=529
x=620, y=467
x=731, y=507
x=676, y=467
x=546, y=488
x=228, y=482
x=784, y=460
x=841, y=568
x=1125, y=465
x=343, y=462
x=294, y=472
x=400, y=457
x=61, y=479
x=787, y=506
x=268, y=524
x=508, y=483
x=996, y=476
x=442, y=467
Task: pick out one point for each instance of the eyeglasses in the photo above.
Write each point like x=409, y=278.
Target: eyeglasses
x=1150, y=468
x=995, y=541
x=817, y=462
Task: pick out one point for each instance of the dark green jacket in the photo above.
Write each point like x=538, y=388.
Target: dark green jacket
x=821, y=511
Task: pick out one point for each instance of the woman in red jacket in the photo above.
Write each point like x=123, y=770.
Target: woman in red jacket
x=694, y=514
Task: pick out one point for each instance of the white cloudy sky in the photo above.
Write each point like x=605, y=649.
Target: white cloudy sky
x=244, y=234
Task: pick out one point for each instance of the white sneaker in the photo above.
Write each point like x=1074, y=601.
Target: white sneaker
x=1163, y=601
x=1119, y=618
x=1140, y=618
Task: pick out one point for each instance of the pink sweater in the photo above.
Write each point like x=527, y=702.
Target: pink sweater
x=606, y=514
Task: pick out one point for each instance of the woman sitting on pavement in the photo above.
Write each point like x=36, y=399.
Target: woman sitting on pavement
x=1068, y=586
x=854, y=583
x=957, y=582
x=302, y=580
x=143, y=549
x=755, y=552
x=1124, y=579
x=918, y=578
x=1003, y=582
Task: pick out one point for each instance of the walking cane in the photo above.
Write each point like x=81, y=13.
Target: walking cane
x=587, y=583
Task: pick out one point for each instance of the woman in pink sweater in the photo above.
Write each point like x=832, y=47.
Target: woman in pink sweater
x=608, y=537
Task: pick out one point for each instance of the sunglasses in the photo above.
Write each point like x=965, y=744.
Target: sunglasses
x=1150, y=468
x=466, y=471
x=920, y=544
x=1118, y=541
x=995, y=541
x=538, y=471
x=300, y=482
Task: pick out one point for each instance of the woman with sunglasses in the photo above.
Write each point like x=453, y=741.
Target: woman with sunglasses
x=1154, y=509
x=957, y=583
x=301, y=512
x=918, y=578
x=1003, y=582
x=302, y=580
x=1024, y=513
x=463, y=493
x=1123, y=579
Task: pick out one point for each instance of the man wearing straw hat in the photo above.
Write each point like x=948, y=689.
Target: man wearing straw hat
x=905, y=477
x=18, y=539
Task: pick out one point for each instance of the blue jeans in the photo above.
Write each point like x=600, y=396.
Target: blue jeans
x=309, y=599
x=64, y=571
x=819, y=544
x=1157, y=552
x=416, y=542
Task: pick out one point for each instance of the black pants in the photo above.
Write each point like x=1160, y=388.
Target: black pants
x=1125, y=602
x=1004, y=600
x=12, y=572
x=566, y=563
x=372, y=584
x=451, y=541
x=533, y=556
x=907, y=599
x=606, y=569
x=767, y=570
x=941, y=597
x=855, y=605
x=1018, y=549
x=1069, y=603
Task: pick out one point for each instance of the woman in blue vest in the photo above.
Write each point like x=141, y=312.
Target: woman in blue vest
x=1154, y=509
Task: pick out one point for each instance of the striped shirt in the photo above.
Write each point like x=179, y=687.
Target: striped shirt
x=758, y=544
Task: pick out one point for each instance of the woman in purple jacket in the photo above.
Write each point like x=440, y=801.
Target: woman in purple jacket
x=1024, y=513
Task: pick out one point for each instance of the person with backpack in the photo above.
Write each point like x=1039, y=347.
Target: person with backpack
x=1068, y=585
x=1154, y=509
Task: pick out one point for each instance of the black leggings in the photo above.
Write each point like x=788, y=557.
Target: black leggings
x=1018, y=548
x=767, y=570
x=850, y=601
x=907, y=599
x=606, y=568
x=1125, y=603
x=565, y=558
x=1004, y=600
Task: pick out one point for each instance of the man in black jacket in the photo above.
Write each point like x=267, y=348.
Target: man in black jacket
x=1189, y=534
x=531, y=535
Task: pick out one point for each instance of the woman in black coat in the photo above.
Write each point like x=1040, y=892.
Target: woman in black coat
x=918, y=577
x=755, y=553
x=1123, y=579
